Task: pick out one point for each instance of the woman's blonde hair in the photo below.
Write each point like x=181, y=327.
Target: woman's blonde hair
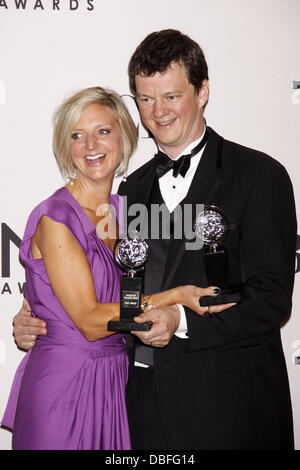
x=69, y=113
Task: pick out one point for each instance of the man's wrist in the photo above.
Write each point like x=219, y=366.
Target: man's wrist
x=182, y=326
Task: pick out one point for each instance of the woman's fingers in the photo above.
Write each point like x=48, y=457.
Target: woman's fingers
x=220, y=308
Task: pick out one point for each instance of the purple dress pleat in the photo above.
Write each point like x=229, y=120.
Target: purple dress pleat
x=69, y=393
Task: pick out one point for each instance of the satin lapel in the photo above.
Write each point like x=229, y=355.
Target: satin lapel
x=207, y=180
x=141, y=193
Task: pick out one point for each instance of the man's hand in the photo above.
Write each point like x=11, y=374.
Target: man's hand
x=26, y=327
x=165, y=323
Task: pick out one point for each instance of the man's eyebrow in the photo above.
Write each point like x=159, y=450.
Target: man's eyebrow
x=143, y=96
x=172, y=92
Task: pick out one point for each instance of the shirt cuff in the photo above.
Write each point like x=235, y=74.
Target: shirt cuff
x=181, y=331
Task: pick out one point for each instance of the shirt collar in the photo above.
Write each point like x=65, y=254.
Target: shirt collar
x=189, y=148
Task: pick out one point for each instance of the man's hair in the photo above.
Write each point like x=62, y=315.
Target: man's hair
x=159, y=49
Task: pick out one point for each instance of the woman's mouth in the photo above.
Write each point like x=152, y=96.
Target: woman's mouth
x=95, y=160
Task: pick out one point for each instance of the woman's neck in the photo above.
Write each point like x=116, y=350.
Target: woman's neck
x=90, y=195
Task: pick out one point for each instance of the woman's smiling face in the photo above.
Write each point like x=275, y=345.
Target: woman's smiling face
x=96, y=143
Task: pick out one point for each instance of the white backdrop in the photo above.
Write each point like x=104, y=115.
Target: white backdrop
x=49, y=48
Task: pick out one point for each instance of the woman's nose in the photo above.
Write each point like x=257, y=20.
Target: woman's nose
x=91, y=142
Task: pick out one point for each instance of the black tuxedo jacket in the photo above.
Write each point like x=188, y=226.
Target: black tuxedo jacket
x=226, y=385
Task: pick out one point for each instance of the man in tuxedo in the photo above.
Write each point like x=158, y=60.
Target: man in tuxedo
x=218, y=381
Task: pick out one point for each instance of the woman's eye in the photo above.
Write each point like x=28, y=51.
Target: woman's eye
x=76, y=135
x=104, y=131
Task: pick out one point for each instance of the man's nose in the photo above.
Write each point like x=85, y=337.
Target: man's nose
x=159, y=109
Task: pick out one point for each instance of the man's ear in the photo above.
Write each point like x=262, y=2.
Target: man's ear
x=203, y=93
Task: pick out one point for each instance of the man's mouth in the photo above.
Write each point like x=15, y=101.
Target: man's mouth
x=166, y=123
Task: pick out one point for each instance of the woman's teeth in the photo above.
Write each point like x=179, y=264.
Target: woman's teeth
x=91, y=158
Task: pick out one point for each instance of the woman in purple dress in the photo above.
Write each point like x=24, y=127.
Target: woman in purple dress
x=69, y=390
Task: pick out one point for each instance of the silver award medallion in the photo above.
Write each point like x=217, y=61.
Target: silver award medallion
x=130, y=255
x=131, y=252
x=212, y=228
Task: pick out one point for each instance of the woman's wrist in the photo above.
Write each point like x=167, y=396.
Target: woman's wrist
x=176, y=295
x=147, y=305
x=169, y=297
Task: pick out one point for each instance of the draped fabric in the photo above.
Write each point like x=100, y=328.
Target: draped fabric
x=69, y=393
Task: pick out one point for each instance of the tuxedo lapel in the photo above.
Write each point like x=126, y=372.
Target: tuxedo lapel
x=140, y=195
x=208, y=176
x=145, y=183
x=207, y=180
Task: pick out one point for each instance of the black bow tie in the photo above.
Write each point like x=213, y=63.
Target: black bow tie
x=163, y=163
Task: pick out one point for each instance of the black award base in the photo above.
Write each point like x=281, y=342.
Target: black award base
x=130, y=307
x=128, y=325
x=216, y=266
x=220, y=299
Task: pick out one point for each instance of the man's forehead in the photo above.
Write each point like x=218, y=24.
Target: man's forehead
x=174, y=77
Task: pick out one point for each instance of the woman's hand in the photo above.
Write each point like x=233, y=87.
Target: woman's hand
x=189, y=296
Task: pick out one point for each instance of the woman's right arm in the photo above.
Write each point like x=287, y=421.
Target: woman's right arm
x=27, y=328
x=71, y=279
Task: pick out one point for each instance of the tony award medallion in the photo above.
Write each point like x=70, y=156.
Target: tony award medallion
x=130, y=254
x=211, y=227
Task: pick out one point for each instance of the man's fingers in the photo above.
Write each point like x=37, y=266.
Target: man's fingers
x=158, y=336
x=30, y=330
x=27, y=325
x=146, y=336
x=27, y=328
x=142, y=335
x=155, y=341
x=28, y=321
x=26, y=309
x=26, y=342
x=146, y=316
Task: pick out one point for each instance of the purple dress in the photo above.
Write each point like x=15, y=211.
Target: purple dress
x=69, y=393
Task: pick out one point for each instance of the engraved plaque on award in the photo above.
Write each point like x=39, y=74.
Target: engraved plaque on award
x=211, y=227
x=130, y=254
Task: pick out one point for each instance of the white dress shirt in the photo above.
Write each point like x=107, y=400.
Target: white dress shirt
x=173, y=191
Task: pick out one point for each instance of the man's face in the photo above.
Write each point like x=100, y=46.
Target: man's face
x=171, y=109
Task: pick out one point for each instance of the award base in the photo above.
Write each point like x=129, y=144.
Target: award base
x=130, y=307
x=216, y=266
x=220, y=299
x=127, y=325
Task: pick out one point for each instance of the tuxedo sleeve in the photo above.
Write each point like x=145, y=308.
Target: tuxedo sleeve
x=267, y=234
